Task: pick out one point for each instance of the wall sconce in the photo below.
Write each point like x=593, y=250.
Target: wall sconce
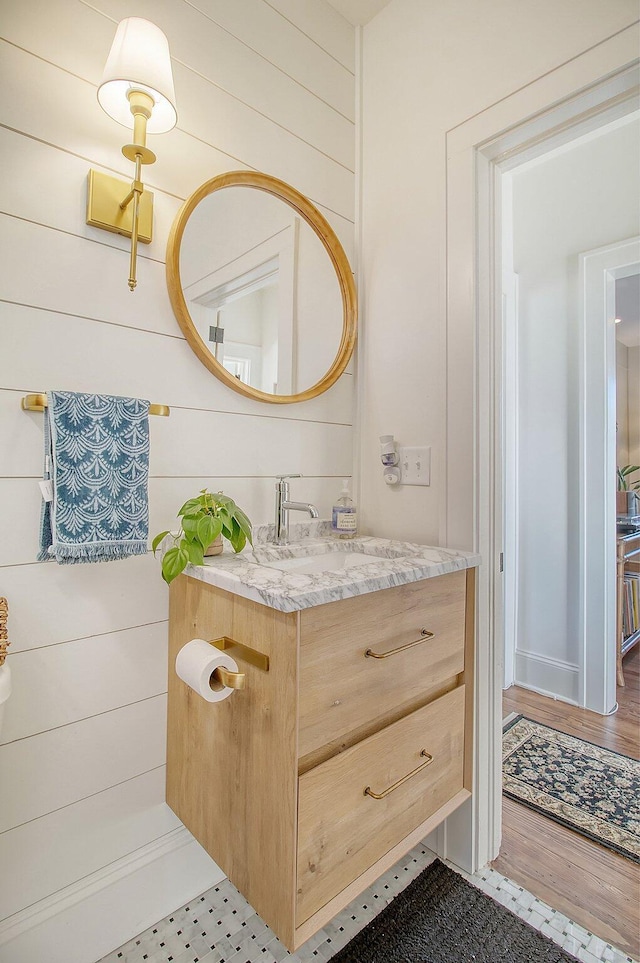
x=137, y=85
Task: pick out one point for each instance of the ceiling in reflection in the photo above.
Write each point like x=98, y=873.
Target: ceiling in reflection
x=358, y=12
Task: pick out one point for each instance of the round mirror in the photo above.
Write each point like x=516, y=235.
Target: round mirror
x=262, y=288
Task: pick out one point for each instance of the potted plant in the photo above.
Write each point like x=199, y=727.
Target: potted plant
x=627, y=496
x=204, y=519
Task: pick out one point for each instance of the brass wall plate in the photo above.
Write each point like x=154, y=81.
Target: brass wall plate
x=252, y=656
x=104, y=196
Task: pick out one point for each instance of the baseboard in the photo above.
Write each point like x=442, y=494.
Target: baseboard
x=550, y=677
x=85, y=921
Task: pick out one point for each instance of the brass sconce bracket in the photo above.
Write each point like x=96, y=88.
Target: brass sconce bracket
x=122, y=213
x=105, y=195
x=141, y=106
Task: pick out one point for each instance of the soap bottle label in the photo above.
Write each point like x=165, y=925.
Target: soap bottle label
x=344, y=520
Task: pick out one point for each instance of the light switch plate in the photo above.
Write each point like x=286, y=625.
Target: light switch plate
x=416, y=466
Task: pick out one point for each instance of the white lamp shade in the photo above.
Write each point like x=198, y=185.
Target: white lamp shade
x=139, y=60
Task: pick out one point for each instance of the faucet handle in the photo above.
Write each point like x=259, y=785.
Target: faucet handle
x=282, y=477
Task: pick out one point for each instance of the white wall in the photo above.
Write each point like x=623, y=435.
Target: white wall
x=633, y=374
x=264, y=85
x=628, y=405
x=427, y=67
x=579, y=199
x=622, y=404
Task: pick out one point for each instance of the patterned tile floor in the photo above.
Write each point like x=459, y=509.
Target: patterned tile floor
x=221, y=927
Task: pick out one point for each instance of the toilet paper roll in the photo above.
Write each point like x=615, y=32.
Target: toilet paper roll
x=195, y=664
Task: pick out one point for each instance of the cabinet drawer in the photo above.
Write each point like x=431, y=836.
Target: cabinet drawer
x=342, y=830
x=342, y=689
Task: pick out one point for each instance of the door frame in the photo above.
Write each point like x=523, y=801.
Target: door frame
x=599, y=270
x=562, y=105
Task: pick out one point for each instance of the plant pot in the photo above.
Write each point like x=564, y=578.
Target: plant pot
x=628, y=503
x=215, y=548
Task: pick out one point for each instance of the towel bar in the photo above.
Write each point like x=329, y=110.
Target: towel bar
x=39, y=403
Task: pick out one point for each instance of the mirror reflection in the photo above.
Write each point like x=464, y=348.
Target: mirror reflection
x=261, y=290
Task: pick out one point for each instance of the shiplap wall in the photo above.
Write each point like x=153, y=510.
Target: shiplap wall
x=262, y=84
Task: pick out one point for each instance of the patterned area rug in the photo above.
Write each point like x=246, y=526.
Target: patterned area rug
x=440, y=918
x=591, y=790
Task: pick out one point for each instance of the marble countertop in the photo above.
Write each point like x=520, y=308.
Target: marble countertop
x=381, y=563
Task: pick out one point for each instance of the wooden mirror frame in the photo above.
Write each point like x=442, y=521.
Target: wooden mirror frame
x=333, y=247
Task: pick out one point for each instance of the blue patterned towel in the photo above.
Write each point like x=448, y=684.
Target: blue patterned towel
x=97, y=459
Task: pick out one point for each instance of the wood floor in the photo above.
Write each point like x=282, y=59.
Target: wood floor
x=588, y=883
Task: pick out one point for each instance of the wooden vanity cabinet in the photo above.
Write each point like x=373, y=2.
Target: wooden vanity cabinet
x=308, y=784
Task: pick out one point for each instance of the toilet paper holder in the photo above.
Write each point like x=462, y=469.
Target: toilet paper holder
x=232, y=680
x=245, y=652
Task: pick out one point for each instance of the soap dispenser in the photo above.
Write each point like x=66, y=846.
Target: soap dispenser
x=344, y=519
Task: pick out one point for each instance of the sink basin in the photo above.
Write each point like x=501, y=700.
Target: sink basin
x=331, y=562
x=318, y=556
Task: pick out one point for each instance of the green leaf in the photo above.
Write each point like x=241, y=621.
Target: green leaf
x=244, y=524
x=157, y=540
x=195, y=552
x=623, y=472
x=238, y=539
x=226, y=520
x=190, y=527
x=208, y=529
x=190, y=506
x=217, y=527
x=174, y=562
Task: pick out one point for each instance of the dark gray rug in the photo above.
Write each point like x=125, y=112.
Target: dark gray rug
x=440, y=918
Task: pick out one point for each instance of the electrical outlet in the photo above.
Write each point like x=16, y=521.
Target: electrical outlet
x=416, y=466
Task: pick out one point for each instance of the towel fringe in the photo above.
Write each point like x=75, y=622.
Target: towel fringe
x=93, y=552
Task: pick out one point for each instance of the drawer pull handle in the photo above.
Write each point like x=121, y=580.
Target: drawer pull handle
x=424, y=637
x=380, y=795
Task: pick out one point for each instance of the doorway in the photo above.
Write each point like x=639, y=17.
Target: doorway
x=600, y=85
x=566, y=218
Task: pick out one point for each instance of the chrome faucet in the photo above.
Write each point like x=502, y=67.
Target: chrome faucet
x=284, y=506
